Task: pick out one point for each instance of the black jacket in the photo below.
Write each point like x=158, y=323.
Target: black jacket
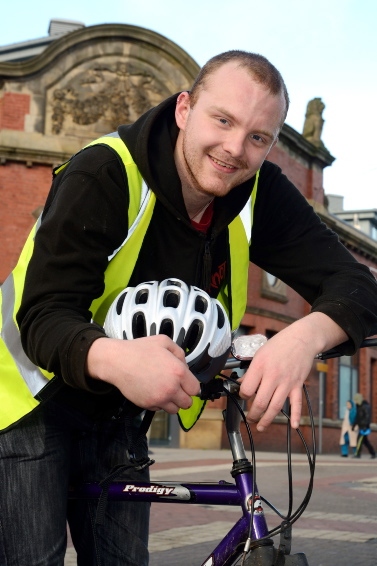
x=363, y=414
x=85, y=219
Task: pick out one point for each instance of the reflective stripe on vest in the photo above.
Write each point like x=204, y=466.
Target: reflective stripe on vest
x=20, y=379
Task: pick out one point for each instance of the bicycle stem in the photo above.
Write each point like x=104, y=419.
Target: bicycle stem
x=242, y=468
x=232, y=417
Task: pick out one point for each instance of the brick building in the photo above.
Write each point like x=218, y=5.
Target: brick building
x=59, y=92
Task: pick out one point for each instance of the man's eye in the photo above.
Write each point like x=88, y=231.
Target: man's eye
x=256, y=137
x=223, y=120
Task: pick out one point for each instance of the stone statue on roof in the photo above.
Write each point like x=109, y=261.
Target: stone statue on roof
x=313, y=124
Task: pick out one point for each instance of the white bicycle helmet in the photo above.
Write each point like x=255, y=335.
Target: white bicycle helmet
x=190, y=317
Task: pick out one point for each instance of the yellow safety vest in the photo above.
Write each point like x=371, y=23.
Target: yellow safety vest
x=21, y=381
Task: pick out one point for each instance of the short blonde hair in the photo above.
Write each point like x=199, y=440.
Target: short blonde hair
x=259, y=67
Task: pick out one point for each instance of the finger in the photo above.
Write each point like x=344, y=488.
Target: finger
x=184, y=401
x=191, y=385
x=176, y=400
x=168, y=407
x=296, y=406
x=265, y=418
x=277, y=403
x=259, y=405
x=175, y=349
x=265, y=407
x=250, y=382
x=173, y=407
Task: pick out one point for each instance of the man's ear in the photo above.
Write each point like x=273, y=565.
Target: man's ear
x=182, y=109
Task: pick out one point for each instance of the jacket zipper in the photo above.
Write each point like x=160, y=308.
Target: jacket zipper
x=207, y=265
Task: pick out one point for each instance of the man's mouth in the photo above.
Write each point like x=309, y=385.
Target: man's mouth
x=222, y=164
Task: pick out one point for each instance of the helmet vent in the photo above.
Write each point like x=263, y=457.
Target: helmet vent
x=220, y=317
x=171, y=299
x=167, y=328
x=139, y=329
x=201, y=304
x=193, y=336
x=142, y=297
x=120, y=302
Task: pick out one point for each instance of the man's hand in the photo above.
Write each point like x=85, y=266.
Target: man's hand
x=281, y=366
x=151, y=372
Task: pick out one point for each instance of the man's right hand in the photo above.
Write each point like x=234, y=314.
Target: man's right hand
x=151, y=372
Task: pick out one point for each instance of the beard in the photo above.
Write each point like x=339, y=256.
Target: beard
x=211, y=183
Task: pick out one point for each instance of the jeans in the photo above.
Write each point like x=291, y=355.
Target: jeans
x=55, y=446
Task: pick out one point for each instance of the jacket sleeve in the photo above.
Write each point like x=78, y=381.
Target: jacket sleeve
x=84, y=221
x=290, y=241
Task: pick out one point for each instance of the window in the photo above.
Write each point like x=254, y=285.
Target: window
x=273, y=288
x=271, y=279
x=348, y=381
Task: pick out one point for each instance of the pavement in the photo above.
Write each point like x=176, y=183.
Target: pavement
x=338, y=528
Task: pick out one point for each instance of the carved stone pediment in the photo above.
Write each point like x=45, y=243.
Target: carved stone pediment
x=100, y=95
x=87, y=83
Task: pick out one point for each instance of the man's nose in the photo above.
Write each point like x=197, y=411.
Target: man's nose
x=234, y=144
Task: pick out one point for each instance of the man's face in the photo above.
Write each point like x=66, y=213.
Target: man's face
x=225, y=137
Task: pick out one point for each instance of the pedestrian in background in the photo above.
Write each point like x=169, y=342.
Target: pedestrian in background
x=349, y=432
x=363, y=422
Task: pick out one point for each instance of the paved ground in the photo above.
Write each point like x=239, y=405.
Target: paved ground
x=339, y=527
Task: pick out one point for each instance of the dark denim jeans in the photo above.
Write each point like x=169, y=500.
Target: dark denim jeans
x=53, y=447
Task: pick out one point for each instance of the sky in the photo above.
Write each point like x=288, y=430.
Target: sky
x=323, y=48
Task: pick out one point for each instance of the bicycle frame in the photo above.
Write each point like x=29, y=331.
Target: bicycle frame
x=250, y=531
x=243, y=493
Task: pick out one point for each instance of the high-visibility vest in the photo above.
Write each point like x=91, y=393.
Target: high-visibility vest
x=22, y=382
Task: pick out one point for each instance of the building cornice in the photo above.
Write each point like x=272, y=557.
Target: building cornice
x=36, y=148
x=295, y=141
x=266, y=313
x=355, y=240
x=110, y=32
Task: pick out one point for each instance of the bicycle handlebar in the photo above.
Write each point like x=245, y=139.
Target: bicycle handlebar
x=334, y=352
x=214, y=388
x=242, y=363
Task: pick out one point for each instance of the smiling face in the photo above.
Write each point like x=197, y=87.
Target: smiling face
x=226, y=135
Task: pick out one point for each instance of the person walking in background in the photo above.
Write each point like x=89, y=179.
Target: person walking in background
x=349, y=432
x=362, y=420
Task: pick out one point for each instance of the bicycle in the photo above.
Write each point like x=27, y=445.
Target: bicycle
x=249, y=542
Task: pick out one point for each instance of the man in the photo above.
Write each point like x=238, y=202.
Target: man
x=202, y=155
x=362, y=421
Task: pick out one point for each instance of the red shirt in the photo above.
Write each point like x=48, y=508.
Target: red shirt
x=205, y=221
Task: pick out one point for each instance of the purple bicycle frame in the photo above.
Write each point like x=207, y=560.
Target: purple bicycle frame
x=222, y=493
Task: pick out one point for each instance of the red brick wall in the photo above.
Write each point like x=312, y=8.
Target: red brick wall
x=22, y=190
x=307, y=180
x=373, y=396
x=296, y=306
x=13, y=109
